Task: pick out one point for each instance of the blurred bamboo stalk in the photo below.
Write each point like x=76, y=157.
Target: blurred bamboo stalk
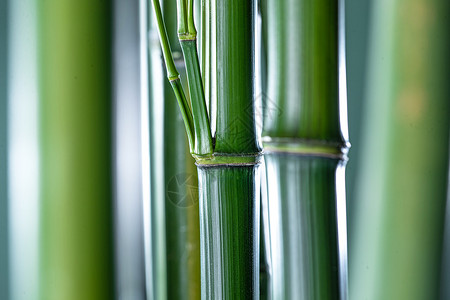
x=404, y=165
x=129, y=250
x=305, y=141
x=4, y=218
x=76, y=228
x=23, y=160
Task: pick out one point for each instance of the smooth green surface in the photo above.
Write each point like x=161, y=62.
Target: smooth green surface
x=181, y=17
x=229, y=232
x=172, y=72
x=186, y=26
x=203, y=140
x=404, y=164
x=304, y=140
x=302, y=98
x=183, y=104
x=4, y=263
x=229, y=187
x=76, y=247
x=303, y=227
x=235, y=131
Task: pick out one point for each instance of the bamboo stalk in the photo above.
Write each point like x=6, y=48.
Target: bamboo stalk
x=76, y=235
x=229, y=224
x=305, y=142
x=303, y=220
x=236, y=132
x=4, y=260
x=236, y=154
x=128, y=244
x=403, y=184
x=229, y=197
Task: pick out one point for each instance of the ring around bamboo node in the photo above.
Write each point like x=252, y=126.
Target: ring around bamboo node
x=306, y=147
x=174, y=78
x=224, y=160
x=187, y=37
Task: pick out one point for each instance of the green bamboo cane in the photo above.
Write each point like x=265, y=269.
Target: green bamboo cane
x=404, y=167
x=228, y=177
x=229, y=202
x=178, y=274
x=305, y=144
x=4, y=284
x=76, y=244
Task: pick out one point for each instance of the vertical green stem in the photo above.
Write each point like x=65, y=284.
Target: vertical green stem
x=229, y=183
x=203, y=140
x=303, y=220
x=76, y=247
x=303, y=70
x=172, y=72
x=236, y=131
x=229, y=226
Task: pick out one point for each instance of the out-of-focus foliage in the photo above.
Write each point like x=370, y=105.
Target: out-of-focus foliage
x=3, y=152
x=403, y=167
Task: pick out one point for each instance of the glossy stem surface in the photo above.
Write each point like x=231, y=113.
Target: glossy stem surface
x=203, y=140
x=76, y=201
x=186, y=114
x=236, y=131
x=229, y=231
x=302, y=98
x=305, y=136
x=307, y=240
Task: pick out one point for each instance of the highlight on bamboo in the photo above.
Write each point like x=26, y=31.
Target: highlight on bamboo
x=200, y=149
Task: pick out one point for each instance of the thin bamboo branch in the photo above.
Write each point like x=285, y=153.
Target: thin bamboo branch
x=173, y=210
x=203, y=140
x=172, y=73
